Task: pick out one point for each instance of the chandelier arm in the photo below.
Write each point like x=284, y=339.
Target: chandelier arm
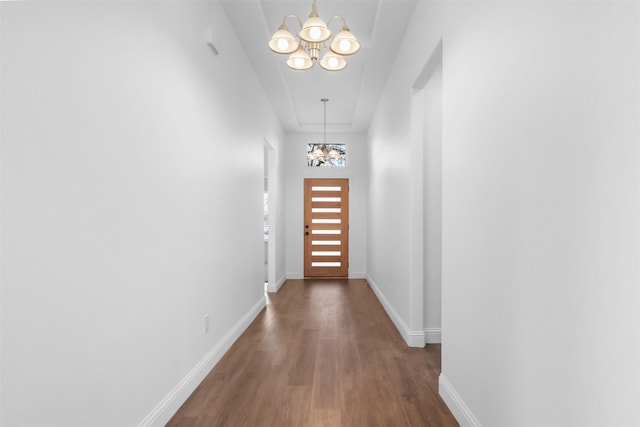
x=291, y=15
x=344, y=22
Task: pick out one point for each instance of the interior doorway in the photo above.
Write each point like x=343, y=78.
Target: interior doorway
x=326, y=227
x=265, y=226
x=427, y=116
x=269, y=217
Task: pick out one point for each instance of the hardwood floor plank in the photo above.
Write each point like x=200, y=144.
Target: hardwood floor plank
x=322, y=353
x=303, y=355
x=326, y=390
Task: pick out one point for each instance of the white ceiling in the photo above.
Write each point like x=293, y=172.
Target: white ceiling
x=353, y=93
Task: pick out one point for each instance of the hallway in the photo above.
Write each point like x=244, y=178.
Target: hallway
x=494, y=205
x=322, y=353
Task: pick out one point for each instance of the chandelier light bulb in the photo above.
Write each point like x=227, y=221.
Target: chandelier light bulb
x=283, y=41
x=315, y=33
x=300, y=60
x=333, y=62
x=345, y=43
x=283, y=45
x=314, y=30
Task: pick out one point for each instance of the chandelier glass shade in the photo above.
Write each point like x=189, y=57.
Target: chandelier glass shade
x=312, y=39
x=332, y=62
x=300, y=60
x=282, y=41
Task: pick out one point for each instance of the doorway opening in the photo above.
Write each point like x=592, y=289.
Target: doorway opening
x=269, y=215
x=427, y=114
x=265, y=226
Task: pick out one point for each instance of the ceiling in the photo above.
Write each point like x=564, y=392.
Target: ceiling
x=353, y=92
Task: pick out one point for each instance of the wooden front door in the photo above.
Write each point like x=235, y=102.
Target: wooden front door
x=326, y=227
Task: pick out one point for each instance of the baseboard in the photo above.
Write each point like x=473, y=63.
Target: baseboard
x=276, y=287
x=433, y=335
x=299, y=276
x=412, y=338
x=456, y=405
x=163, y=412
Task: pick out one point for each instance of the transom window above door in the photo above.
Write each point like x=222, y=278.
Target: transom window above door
x=326, y=155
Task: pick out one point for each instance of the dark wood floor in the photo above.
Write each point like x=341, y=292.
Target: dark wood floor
x=322, y=353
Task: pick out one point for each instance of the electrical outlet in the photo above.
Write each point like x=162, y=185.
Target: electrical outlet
x=206, y=323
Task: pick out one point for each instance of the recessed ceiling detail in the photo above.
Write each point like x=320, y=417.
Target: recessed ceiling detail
x=354, y=92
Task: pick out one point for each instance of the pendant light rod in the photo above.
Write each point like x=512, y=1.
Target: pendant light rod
x=319, y=153
x=324, y=101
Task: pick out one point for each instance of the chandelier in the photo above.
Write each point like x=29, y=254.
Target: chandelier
x=321, y=153
x=311, y=40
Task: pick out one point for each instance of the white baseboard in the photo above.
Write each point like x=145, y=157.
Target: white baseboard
x=456, y=405
x=163, y=412
x=412, y=338
x=357, y=275
x=433, y=335
x=276, y=287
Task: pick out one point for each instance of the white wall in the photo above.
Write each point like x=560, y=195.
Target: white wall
x=541, y=200
x=131, y=207
x=389, y=210
x=295, y=170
